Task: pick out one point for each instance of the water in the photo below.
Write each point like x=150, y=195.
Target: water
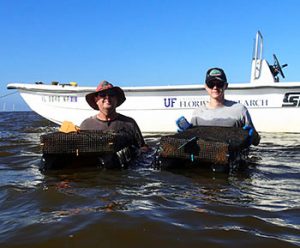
x=142, y=206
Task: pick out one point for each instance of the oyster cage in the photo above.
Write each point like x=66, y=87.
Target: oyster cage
x=83, y=142
x=207, y=144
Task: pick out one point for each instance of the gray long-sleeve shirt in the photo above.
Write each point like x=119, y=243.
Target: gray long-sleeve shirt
x=232, y=114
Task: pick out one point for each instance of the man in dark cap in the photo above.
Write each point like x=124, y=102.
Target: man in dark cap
x=106, y=99
x=219, y=111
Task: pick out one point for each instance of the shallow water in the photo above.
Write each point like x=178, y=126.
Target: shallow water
x=142, y=206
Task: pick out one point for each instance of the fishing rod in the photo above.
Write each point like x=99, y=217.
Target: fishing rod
x=8, y=94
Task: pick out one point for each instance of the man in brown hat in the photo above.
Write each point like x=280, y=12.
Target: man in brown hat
x=106, y=99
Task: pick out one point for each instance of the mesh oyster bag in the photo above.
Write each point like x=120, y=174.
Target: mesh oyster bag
x=83, y=142
x=205, y=143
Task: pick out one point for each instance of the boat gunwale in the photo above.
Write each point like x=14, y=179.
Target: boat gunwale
x=72, y=89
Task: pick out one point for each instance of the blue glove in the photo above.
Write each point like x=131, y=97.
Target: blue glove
x=182, y=124
x=250, y=133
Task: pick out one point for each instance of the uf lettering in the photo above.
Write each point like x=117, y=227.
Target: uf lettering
x=169, y=102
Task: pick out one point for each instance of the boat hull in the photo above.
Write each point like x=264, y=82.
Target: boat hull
x=273, y=107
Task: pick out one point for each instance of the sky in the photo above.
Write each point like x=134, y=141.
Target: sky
x=140, y=42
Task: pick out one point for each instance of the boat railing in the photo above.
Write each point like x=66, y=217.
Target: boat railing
x=258, y=55
x=260, y=71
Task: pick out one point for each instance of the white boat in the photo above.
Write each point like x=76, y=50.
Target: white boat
x=273, y=105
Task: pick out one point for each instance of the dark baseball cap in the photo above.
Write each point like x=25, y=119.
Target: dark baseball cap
x=215, y=74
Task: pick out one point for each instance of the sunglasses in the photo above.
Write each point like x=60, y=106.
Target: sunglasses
x=104, y=94
x=218, y=84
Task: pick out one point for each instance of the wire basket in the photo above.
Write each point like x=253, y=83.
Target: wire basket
x=205, y=144
x=83, y=142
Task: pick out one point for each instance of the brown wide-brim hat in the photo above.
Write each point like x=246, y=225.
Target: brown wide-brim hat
x=105, y=86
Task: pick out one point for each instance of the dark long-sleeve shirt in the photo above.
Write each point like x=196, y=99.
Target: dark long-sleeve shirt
x=122, y=123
